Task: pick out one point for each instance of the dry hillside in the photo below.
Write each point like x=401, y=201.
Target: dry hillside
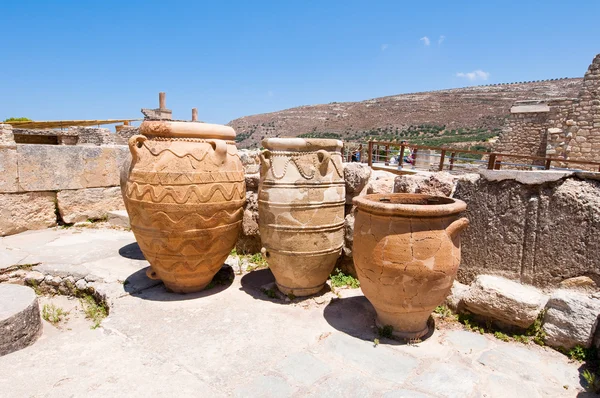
x=468, y=115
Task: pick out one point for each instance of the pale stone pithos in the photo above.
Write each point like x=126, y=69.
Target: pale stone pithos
x=301, y=211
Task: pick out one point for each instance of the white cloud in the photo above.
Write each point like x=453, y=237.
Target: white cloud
x=441, y=39
x=425, y=40
x=384, y=47
x=475, y=75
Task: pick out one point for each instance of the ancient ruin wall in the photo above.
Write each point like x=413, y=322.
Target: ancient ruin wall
x=583, y=123
x=566, y=128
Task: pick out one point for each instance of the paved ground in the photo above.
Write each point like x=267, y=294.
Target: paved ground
x=232, y=340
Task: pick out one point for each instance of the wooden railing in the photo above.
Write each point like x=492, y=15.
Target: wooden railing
x=494, y=161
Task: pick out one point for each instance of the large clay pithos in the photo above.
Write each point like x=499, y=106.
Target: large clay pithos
x=185, y=194
x=406, y=253
x=301, y=211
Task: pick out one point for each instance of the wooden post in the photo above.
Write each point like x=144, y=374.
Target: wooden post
x=442, y=156
x=452, y=161
x=491, y=161
x=547, y=165
x=498, y=163
x=370, y=153
x=415, y=157
x=126, y=123
x=162, y=100
x=401, y=160
x=387, y=154
x=194, y=114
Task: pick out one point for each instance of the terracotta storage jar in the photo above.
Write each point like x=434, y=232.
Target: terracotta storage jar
x=185, y=194
x=301, y=211
x=406, y=253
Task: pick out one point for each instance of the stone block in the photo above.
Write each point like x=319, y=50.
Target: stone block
x=88, y=204
x=24, y=211
x=7, y=138
x=118, y=218
x=8, y=169
x=57, y=167
x=455, y=300
x=502, y=300
x=356, y=176
x=571, y=319
x=381, y=186
x=438, y=184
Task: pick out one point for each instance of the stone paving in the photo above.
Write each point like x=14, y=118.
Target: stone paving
x=233, y=340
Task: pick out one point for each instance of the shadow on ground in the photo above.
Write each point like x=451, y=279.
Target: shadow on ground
x=260, y=284
x=139, y=285
x=132, y=251
x=355, y=316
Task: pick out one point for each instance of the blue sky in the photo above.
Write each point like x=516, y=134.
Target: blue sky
x=92, y=60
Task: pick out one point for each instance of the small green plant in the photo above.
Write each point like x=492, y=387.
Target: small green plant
x=536, y=332
x=592, y=380
x=470, y=324
x=258, y=260
x=270, y=293
x=443, y=311
x=501, y=336
x=291, y=296
x=210, y=285
x=93, y=310
x=36, y=287
x=386, y=331
x=375, y=342
x=52, y=313
x=581, y=354
x=521, y=338
x=341, y=280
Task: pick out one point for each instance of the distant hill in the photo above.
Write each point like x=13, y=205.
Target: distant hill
x=460, y=117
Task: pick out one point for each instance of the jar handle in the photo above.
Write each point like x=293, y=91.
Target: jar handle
x=220, y=148
x=457, y=226
x=323, y=157
x=265, y=161
x=135, y=143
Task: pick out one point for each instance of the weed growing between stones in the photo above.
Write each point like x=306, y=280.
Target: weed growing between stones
x=536, y=332
x=386, y=331
x=375, y=342
x=343, y=280
x=444, y=312
x=501, y=336
x=270, y=293
x=592, y=380
x=93, y=310
x=53, y=314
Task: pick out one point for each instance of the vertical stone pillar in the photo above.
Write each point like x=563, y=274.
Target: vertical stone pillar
x=194, y=114
x=7, y=139
x=162, y=100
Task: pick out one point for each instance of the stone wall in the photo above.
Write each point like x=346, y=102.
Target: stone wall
x=536, y=227
x=39, y=182
x=566, y=128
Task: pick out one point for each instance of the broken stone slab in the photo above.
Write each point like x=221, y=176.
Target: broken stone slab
x=457, y=293
x=571, y=319
x=579, y=283
x=505, y=301
x=20, y=322
x=118, y=218
x=88, y=204
x=525, y=177
x=25, y=211
x=438, y=184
